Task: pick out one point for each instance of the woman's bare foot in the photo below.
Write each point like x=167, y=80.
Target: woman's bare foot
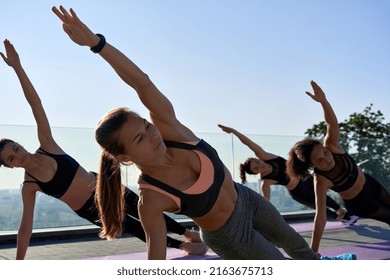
x=194, y=248
x=192, y=236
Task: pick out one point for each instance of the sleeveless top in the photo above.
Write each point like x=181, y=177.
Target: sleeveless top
x=62, y=179
x=344, y=173
x=199, y=198
x=278, y=173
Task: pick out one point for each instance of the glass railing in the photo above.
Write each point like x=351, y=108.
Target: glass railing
x=80, y=144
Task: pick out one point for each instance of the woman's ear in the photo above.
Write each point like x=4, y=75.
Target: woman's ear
x=124, y=159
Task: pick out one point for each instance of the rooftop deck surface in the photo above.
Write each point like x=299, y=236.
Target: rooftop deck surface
x=368, y=239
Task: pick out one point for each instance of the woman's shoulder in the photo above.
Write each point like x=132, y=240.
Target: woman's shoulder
x=52, y=148
x=28, y=187
x=335, y=148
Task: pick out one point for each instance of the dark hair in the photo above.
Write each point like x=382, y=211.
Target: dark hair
x=298, y=162
x=3, y=142
x=109, y=189
x=246, y=168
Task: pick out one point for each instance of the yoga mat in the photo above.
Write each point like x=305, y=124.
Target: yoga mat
x=172, y=254
x=366, y=251
x=304, y=227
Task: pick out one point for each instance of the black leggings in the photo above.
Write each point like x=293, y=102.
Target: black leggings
x=372, y=202
x=131, y=224
x=304, y=193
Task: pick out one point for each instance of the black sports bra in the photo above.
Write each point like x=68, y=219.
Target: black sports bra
x=278, y=171
x=194, y=202
x=344, y=173
x=62, y=179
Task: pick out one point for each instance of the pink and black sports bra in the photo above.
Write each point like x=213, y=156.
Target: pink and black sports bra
x=198, y=199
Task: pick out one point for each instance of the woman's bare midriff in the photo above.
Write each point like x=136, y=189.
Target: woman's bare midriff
x=78, y=193
x=292, y=184
x=222, y=209
x=356, y=188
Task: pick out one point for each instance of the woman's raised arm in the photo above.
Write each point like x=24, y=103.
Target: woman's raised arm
x=44, y=131
x=332, y=125
x=259, y=151
x=160, y=108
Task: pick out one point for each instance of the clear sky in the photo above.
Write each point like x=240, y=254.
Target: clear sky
x=245, y=64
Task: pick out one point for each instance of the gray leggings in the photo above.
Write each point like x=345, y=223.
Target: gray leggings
x=254, y=231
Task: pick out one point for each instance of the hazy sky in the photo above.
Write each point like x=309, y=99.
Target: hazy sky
x=244, y=64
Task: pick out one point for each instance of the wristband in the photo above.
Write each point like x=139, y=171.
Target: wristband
x=100, y=45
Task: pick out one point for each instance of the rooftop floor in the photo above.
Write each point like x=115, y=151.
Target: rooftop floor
x=368, y=239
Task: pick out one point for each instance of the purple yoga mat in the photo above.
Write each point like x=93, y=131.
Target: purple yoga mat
x=364, y=251
x=303, y=227
x=172, y=254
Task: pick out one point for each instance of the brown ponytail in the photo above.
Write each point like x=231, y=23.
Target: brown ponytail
x=109, y=189
x=110, y=197
x=245, y=168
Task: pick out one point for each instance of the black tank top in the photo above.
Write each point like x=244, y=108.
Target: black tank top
x=344, y=173
x=278, y=173
x=194, y=205
x=62, y=179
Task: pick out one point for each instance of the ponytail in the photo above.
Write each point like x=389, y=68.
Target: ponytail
x=242, y=173
x=109, y=189
x=110, y=197
x=245, y=168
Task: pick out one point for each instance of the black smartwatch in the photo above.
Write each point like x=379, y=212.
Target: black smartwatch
x=100, y=45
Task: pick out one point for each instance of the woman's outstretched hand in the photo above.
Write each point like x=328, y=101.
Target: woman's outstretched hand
x=77, y=31
x=226, y=128
x=318, y=94
x=11, y=57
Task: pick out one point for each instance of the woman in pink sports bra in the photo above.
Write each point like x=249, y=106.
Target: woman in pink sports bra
x=235, y=222
x=64, y=179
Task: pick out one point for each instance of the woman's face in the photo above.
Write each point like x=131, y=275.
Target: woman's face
x=257, y=166
x=321, y=158
x=14, y=155
x=140, y=140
